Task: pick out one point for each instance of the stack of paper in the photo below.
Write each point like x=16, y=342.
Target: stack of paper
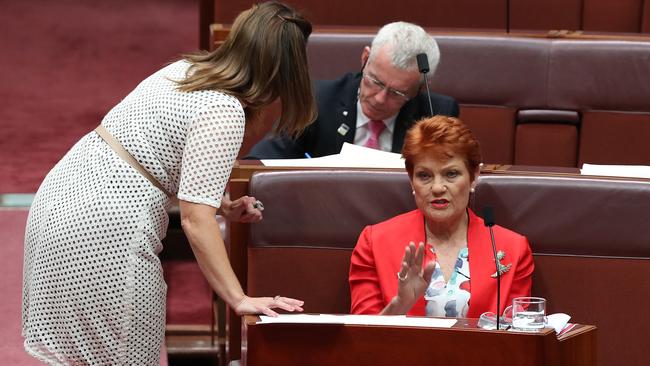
x=351, y=156
x=394, y=320
x=633, y=171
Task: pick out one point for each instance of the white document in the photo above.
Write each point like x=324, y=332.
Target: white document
x=379, y=158
x=351, y=156
x=633, y=171
x=557, y=321
x=393, y=320
x=329, y=161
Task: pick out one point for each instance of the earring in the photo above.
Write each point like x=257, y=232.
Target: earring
x=472, y=190
x=413, y=192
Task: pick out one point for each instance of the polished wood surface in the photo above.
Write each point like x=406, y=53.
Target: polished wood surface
x=463, y=344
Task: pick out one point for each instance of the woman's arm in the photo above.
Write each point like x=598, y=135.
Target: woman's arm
x=202, y=231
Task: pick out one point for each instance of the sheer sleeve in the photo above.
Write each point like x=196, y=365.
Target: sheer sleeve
x=213, y=141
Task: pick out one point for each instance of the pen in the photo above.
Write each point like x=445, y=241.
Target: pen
x=307, y=155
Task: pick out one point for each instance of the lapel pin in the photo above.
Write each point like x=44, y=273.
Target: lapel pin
x=343, y=129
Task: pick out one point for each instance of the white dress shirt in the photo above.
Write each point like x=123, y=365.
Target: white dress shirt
x=363, y=130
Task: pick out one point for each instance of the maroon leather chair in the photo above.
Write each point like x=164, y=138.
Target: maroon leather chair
x=603, y=81
x=532, y=101
x=589, y=237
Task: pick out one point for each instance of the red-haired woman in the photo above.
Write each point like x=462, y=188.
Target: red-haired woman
x=450, y=271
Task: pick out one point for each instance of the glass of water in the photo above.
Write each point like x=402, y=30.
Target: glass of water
x=528, y=314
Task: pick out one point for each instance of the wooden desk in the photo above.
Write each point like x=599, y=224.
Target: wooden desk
x=463, y=344
x=239, y=185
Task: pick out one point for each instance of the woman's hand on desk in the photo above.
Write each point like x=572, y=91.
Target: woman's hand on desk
x=412, y=280
x=244, y=209
x=264, y=305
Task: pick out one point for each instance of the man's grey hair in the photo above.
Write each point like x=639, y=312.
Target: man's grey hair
x=405, y=41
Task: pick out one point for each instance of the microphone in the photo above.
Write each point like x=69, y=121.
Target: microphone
x=423, y=66
x=488, y=219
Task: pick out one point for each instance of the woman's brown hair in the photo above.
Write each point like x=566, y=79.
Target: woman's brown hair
x=264, y=57
x=442, y=137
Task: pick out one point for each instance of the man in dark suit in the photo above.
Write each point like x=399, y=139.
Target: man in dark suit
x=373, y=108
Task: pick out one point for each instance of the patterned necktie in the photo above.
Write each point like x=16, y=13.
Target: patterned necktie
x=376, y=128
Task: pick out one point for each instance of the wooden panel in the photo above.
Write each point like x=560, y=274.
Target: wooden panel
x=615, y=138
x=645, y=17
x=545, y=15
x=630, y=16
x=296, y=272
x=494, y=127
x=359, y=345
x=206, y=18
x=589, y=289
x=442, y=13
x=612, y=15
x=551, y=144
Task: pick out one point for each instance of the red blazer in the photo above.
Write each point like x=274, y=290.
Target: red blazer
x=377, y=258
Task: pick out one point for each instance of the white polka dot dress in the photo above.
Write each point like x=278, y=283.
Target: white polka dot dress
x=93, y=289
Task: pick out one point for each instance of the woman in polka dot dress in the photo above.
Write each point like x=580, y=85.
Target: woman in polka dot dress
x=93, y=290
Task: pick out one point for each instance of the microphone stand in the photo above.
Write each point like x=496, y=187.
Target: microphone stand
x=423, y=66
x=496, y=262
x=488, y=220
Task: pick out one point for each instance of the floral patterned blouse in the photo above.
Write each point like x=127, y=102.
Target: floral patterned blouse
x=450, y=299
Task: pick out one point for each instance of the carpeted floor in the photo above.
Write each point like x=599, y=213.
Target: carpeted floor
x=65, y=63
x=12, y=224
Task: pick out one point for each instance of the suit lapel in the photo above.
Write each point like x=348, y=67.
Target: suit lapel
x=346, y=123
x=481, y=267
x=346, y=113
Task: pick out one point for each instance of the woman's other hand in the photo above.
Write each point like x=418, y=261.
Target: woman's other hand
x=413, y=280
x=244, y=209
x=264, y=305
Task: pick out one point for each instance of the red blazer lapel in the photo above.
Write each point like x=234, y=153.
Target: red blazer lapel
x=481, y=267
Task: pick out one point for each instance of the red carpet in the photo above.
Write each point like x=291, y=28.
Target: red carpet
x=65, y=63
x=12, y=352
x=12, y=224
x=187, y=302
x=188, y=294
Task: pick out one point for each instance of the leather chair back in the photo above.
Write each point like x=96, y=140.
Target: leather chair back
x=589, y=237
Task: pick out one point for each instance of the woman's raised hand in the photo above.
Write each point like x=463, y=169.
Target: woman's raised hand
x=412, y=278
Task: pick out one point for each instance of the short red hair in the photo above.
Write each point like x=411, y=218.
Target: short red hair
x=442, y=137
